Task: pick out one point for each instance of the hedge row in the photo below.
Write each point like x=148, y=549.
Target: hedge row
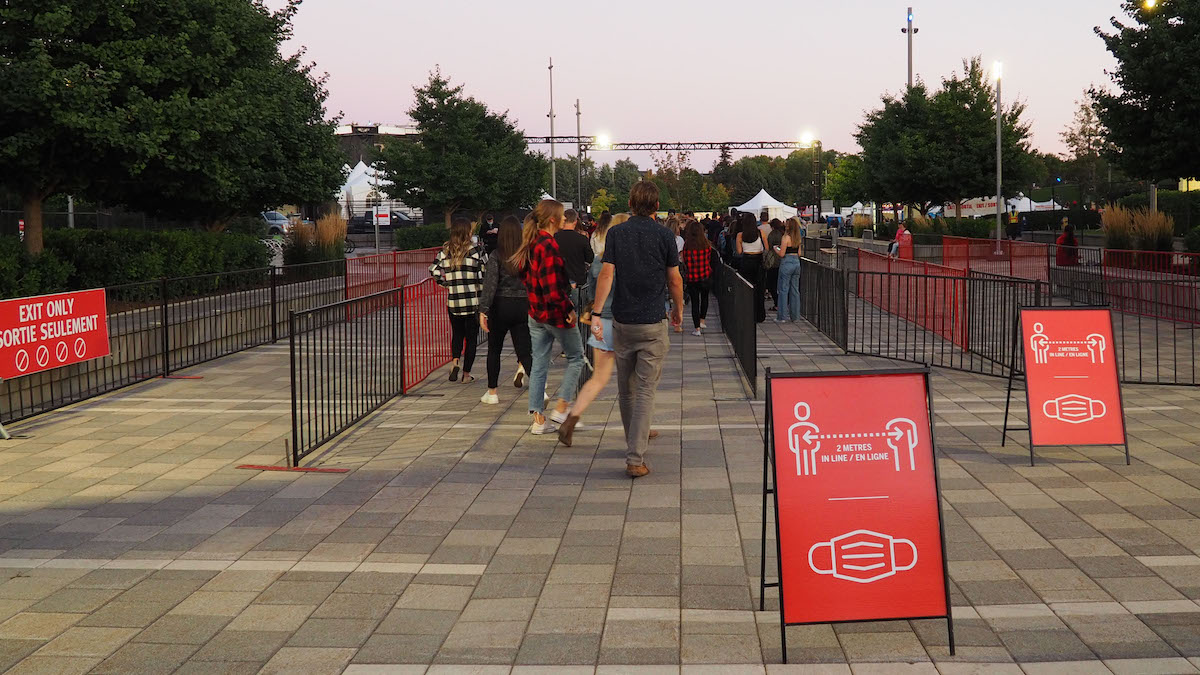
x=423, y=236
x=1184, y=207
x=78, y=259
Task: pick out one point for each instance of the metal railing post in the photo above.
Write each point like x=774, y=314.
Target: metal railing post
x=166, y=330
x=294, y=458
x=403, y=360
x=274, y=309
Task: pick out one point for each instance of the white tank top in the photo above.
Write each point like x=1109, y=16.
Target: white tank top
x=753, y=247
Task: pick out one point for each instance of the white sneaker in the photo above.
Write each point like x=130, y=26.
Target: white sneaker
x=543, y=429
x=519, y=378
x=490, y=399
x=703, y=324
x=558, y=417
x=697, y=332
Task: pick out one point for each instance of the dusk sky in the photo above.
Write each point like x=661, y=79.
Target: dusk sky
x=704, y=70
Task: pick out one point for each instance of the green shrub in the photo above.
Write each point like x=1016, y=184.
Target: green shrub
x=1192, y=240
x=423, y=236
x=1082, y=219
x=1184, y=207
x=22, y=275
x=101, y=258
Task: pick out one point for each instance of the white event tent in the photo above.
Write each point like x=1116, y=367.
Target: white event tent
x=765, y=202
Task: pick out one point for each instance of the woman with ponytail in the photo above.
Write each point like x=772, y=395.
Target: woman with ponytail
x=459, y=268
x=551, y=313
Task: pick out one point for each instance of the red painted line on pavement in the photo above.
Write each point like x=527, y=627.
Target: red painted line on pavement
x=181, y=377
x=305, y=469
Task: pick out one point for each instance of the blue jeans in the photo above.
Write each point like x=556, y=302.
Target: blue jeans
x=789, y=288
x=543, y=336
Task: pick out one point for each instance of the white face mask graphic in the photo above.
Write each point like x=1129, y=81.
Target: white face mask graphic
x=862, y=556
x=1074, y=409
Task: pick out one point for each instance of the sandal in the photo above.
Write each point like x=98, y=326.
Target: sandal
x=454, y=374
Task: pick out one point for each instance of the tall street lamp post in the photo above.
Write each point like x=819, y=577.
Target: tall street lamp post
x=996, y=73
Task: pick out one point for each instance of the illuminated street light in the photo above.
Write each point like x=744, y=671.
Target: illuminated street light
x=1150, y=4
x=807, y=139
x=603, y=141
x=997, y=70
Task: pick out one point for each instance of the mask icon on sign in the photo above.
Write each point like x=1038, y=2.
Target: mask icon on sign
x=862, y=556
x=1074, y=409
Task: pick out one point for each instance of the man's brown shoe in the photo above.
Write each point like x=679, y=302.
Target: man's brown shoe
x=636, y=471
x=566, y=432
x=653, y=434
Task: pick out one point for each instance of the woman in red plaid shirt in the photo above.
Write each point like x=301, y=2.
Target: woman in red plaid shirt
x=696, y=257
x=551, y=313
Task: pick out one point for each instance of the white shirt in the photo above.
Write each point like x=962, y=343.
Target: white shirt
x=679, y=243
x=755, y=246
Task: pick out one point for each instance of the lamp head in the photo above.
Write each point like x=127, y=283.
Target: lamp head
x=997, y=70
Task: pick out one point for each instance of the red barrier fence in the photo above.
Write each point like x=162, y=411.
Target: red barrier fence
x=930, y=295
x=426, y=331
x=374, y=273
x=1156, y=284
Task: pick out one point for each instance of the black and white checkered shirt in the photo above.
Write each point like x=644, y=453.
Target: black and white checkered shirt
x=463, y=282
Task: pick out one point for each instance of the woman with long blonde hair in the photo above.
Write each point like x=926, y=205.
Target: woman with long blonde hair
x=459, y=269
x=788, y=289
x=551, y=313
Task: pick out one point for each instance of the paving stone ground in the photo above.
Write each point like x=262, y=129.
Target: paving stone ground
x=458, y=543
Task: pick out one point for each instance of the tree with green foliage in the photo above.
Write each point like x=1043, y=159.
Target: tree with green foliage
x=844, y=185
x=159, y=105
x=1152, y=117
x=926, y=149
x=465, y=156
x=602, y=201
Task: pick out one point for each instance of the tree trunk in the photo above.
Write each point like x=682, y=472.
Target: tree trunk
x=448, y=212
x=33, y=222
x=958, y=209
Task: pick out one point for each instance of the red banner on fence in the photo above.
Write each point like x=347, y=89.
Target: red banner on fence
x=1071, y=379
x=49, y=331
x=858, y=514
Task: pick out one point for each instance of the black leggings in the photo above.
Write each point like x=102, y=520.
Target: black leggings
x=508, y=316
x=752, y=271
x=698, y=295
x=464, y=338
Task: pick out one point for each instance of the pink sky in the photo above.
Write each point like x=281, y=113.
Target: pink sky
x=704, y=70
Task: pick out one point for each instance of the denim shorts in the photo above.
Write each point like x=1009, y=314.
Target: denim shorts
x=606, y=343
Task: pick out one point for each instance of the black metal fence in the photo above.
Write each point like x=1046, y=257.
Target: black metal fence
x=347, y=360
x=735, y=302
x=968, y=322
x=158, y=327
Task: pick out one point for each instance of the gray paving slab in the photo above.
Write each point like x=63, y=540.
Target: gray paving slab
x=458, y=540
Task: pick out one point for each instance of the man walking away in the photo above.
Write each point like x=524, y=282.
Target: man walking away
x=576, y=251
x=644, y=260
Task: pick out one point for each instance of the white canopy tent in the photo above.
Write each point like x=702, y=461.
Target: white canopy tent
x=356, y=196
x=765, y=202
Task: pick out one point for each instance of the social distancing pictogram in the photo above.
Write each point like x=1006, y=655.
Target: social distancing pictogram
x=1072, y=382
x=859, y=533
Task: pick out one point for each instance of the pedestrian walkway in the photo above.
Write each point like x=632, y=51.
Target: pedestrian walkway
x=131, y=542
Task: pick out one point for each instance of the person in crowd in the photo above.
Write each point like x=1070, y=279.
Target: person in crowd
x=903, y=240
x=788, y=250
x=576, y=252
x=491, y=232
x=641, y=268
x=603, y=360
x=551, y=314
x=698, y=265
x=675, y=225
x=603, y=223
x=771, y=261
x=764, y=225
x=712, y=227
x=750, y=249
x=459, y=268
x=1066, y=250
x=504, y=308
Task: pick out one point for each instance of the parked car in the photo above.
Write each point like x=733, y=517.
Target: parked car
x=277, y=223
x=364, y=224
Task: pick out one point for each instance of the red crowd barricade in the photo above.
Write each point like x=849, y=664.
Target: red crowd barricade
x=930, y=295
x=426, y=329
x=1155, y=284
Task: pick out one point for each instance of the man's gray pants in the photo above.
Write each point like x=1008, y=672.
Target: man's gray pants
x=640, y=351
